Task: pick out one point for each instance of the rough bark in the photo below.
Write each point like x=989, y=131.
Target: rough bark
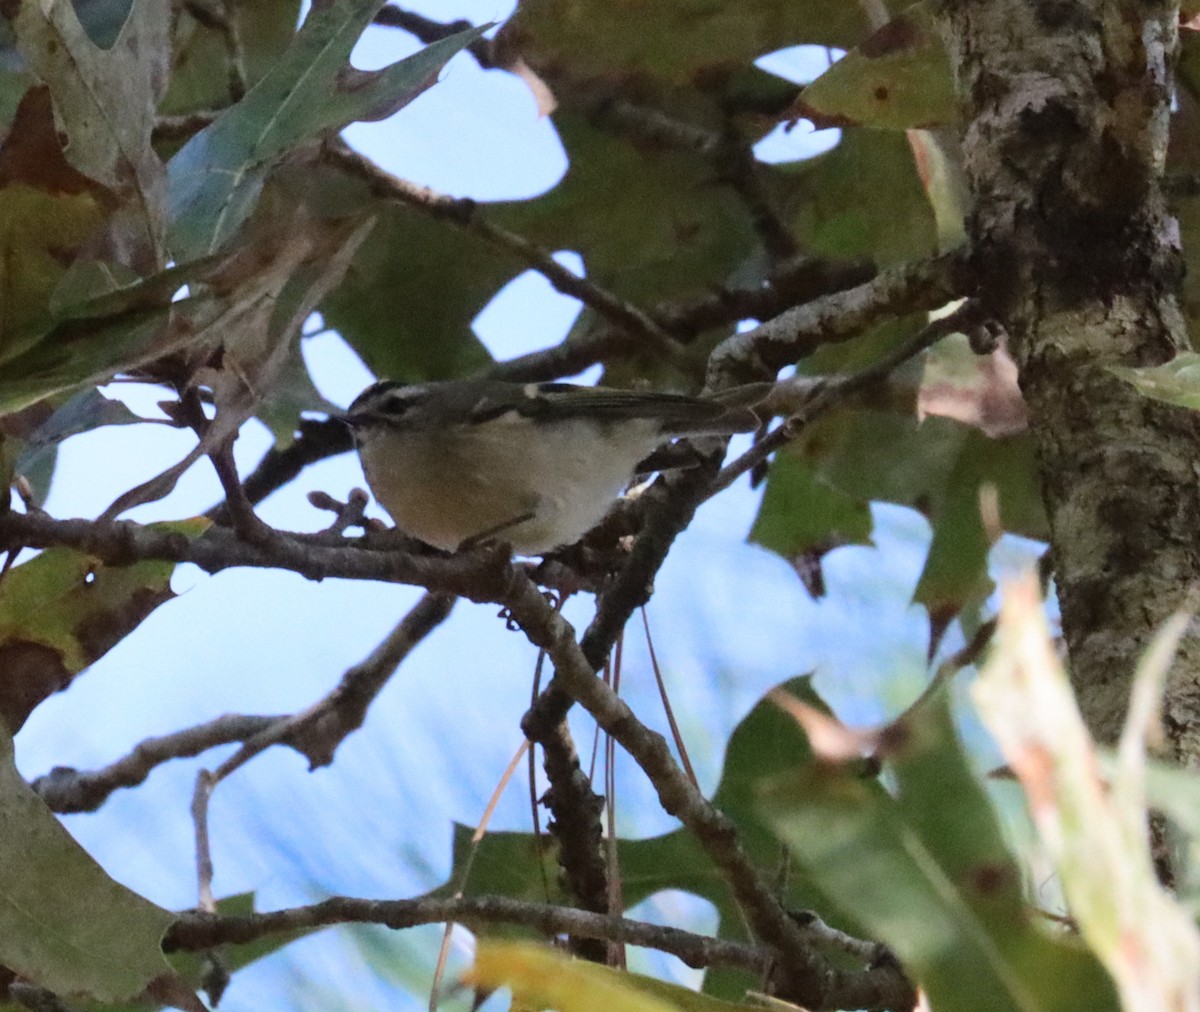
x=1067, y=107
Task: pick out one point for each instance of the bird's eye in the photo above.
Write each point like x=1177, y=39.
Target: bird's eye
x=398, y=403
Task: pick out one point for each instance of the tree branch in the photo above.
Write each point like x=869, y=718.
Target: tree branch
x=488, y=575
x=465, y=214
x=427, y=30
x=792, y=283
x=319, y=730
x=194, y=931
x=805, y=976
x=826, y=395
x=760, y=353
x=575, y=809
x=480, y=575
x=877, y=987
x=1079, y=259
x=68, y=790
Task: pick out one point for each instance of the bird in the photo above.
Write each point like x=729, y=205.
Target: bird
x=538, y=465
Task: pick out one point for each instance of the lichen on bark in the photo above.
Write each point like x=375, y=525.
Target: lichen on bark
x=1067, y=107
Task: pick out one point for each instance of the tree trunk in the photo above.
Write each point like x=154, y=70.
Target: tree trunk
x=1067, y=106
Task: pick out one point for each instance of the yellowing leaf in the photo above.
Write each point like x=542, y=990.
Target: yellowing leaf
x=47, y=211
x=542, y=978
x=1094, y=832
x=62, y=610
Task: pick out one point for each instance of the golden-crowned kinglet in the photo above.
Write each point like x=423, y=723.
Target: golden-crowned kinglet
x=537, y=465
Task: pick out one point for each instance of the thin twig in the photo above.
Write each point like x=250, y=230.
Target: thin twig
x=241, y=512
x=317, y=731
x=684, y=760
x=465, y=214
x=316, y=439
x=792, y=284
x=758, y=354
x=68, y=790
x=808, y=977
x=879, y=986
x=858, y=948
x=730, y=154
x=184, y=125
x=429, y=31
x=534, y=818
x=460, y=887
x=488, y=575
x=348, y=514
x=201, y=794
x=612, y=868
x=830, y=394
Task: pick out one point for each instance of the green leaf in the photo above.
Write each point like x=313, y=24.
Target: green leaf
x=192, y=967
x=74, y=354
x=64, y=924
x=442, y=277
x=71, y=343
x=676, y=42
x=863, y=198
x=651, y=222
x=62, y=610
x=1175, y=382
x=898, y=78
x=928, y=874
x=87, y=410
x=91, y=340
x=291, y=392
x=215, y=179
x=505, y=864
x=801, y=513
x=200, y=69
x=436, y=276
x=937, y=466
